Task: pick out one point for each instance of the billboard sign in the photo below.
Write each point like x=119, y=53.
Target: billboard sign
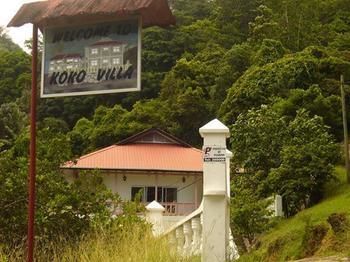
x=92, y=59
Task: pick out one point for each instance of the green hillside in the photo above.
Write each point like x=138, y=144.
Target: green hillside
x=312, y=232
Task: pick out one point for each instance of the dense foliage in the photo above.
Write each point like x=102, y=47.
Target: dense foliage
x=269, y=69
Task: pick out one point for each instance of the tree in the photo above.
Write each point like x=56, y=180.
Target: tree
x=257, y=139
x=189, y=112
x=62, y=209
x=263, y=84
x=263, y=26
x=12, y=121
x=307, y=162
x=293, y=159
x=316, y=102
x=14, y=75
x=249, y=216
x=233, y=18
x=269, y=52
x=6, y=43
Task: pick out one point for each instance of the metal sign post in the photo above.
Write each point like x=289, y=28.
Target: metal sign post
x=32, y=161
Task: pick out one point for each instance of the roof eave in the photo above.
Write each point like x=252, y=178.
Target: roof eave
x=120, y=170
x=36, y=13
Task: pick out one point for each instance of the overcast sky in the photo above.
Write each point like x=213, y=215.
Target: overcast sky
x=7, y=11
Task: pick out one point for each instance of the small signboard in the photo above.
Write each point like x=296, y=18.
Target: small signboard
x=92, y=59
x=214, y=154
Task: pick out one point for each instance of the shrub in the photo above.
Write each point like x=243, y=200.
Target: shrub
x=313, y=238
x=338, y=222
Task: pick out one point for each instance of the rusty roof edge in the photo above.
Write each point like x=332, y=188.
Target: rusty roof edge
x=193, y=171
x=18, y=21
x=34, y=13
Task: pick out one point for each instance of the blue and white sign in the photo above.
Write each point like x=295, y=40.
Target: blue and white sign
x=92, y=59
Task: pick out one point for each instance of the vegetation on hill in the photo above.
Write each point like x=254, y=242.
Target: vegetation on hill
x=269, y=69
x=322, y=230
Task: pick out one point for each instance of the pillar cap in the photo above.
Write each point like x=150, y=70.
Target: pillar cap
x=155, y=206
x=214, y=127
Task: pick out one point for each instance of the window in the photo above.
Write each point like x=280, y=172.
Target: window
x=169, y=195
x=116, y=61
x=105, y=61
x=93, y=62
x=137, y=192
x=105, y=49
x=148, y=194
x=94, y=51
x=70, y=60
x=116, y=49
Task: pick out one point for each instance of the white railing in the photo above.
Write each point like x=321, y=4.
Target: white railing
x=178, y=209
x=185, y=237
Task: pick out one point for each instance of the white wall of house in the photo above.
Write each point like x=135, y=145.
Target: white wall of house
x=186, y=190
x=190, y=191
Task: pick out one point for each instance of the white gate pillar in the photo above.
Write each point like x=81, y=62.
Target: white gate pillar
x=215, y=195
x=154, y=216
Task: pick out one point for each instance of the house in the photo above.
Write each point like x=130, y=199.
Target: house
x=153, y=162
x=66, y=62
x=105, y=54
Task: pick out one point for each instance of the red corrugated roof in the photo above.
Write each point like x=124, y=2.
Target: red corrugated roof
x=66, y=12
x=157, y=157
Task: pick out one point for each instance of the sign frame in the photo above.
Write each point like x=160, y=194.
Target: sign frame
x=103, y=91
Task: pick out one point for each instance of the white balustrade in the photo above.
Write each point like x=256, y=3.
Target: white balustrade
x=197, y=236
x=180, y=237
x=187, y=233
x=188, y=238
x=172, y=241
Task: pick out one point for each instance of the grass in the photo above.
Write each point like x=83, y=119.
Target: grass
x=130, y=245
x=290, y=239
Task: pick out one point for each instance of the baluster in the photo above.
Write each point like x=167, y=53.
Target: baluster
x=201, y=235
x=188, y=238
x=172, y=241
x=180, y=239
x=196, y=228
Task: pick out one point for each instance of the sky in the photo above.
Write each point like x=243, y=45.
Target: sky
x=7, y=11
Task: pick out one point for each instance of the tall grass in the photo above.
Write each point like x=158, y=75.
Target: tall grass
x=133, y=243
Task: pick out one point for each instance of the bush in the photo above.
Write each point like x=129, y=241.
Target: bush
x=339, y=222
x=313, y=238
